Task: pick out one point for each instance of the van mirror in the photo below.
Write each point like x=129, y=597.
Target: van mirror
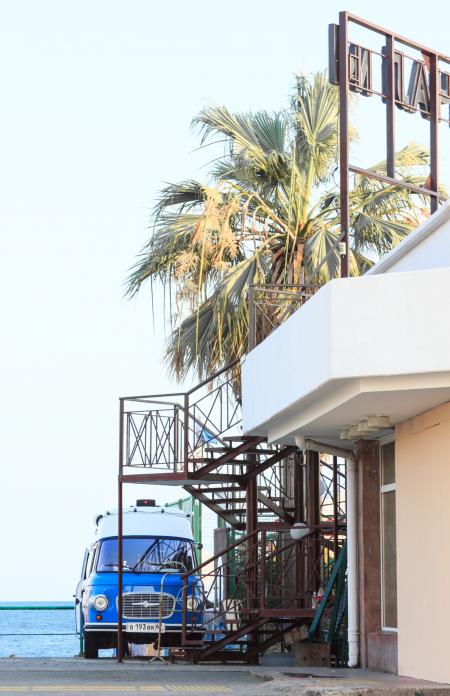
x=199, y=545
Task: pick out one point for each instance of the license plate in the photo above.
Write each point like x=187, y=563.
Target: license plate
x=145, y=627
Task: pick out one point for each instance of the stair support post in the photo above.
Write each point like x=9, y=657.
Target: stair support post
x=313, y=519
x=176, y=444
x=120, y=646
x=252, y=546
x=299, y=516
x=186, y=435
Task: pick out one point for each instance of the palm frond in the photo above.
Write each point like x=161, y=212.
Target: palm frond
x=185, y=193
x=271, y=215
x=194, y=345
x=412, y=155
x=322, y=257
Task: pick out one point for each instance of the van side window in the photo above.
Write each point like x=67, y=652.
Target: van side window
x=90, y=561
x=83, y=567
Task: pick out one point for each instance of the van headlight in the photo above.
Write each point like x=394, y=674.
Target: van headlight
x=100, y=602
x=192, y=603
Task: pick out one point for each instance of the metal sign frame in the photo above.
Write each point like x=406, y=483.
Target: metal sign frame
x=350, y=69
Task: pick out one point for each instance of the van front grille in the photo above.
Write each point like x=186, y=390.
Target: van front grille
x=147, y=605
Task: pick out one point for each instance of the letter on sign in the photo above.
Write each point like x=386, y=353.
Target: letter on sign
x=360, y=69
x=419, y=89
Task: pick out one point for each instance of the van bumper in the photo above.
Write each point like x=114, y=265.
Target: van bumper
x=107, y=635
x=104, y=626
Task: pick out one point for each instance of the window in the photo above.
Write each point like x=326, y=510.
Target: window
x=89, y=561
x=388, y=537
x=147, y=555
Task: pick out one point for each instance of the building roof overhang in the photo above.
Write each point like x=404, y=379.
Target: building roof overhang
x=378, y=344
x=439, y=220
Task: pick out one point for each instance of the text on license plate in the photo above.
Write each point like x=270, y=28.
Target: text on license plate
x=145, y=627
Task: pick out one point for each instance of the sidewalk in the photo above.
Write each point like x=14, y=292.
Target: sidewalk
x=322, y=680
x=106, y=676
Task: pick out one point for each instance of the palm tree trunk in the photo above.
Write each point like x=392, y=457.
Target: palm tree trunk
x=298, y=271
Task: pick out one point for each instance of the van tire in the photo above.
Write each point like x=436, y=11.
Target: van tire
x=90, y=646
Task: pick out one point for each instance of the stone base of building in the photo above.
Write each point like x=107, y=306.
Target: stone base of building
x=382, y=652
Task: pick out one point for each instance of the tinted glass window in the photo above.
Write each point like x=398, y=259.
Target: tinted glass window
x=388, y=537
x=388, y=463
x=147, y=555
x=389, y=550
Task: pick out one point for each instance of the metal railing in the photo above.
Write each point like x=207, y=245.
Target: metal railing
x=263, y=577
x=169, y=432
x=269, y=305
x=41, y=607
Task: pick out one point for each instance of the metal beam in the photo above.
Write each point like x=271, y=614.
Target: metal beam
x=120, y=538
x=259, y=468
x=390, y=106
x=281, y=512
x=396, y=182
x=435, y=107
x=227, y=516
x=231, y=454
x=231, y=638
x=343, y=145
x=178, y=478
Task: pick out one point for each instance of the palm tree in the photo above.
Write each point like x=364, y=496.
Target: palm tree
x=269, y=214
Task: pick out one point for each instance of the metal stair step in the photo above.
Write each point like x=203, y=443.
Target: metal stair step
x=209, y=460
x=241, y=438
x=250, y=451
x=222, y=656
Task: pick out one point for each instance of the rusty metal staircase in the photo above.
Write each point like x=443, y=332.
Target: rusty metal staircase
x=261, y=586
x=248, y=461
x=194, y=439
x=255, y=595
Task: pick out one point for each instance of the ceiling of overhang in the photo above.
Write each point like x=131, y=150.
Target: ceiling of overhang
x=398, y=405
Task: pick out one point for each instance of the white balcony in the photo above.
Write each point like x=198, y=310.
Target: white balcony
x=379, y=344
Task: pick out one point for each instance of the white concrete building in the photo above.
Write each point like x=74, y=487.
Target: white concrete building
x=364, y=365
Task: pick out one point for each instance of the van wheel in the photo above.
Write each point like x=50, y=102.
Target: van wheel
x=90, y=646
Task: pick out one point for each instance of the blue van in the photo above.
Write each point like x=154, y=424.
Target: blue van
x=158, y=548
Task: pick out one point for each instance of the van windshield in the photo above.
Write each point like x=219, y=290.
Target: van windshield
x=147, y=555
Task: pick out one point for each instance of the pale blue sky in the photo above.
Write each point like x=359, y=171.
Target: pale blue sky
x=97, y=98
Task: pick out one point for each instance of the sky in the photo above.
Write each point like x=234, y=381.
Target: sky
x=97, y=100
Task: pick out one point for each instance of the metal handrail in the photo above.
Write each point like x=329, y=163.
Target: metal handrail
x=300, y=293
x=187, y=419
x=254, y=585
x=206, y=381
x=40, y=607
x=37, y=607
x=213, y=377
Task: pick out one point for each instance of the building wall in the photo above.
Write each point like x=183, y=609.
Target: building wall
x=423, y=544
x=425, y=248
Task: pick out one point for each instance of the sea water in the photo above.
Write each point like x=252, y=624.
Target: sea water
x=54, y=631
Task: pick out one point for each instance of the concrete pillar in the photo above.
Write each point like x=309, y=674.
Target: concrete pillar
x=369, y=543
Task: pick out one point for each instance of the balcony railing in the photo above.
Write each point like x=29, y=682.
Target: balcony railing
x=270, y=305
x=169, y=432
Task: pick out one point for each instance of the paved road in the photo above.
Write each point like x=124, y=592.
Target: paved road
x=72, y=676
x=47, y=678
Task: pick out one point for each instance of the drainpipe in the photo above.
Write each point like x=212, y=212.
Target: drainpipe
x=352, y=539
x=352, y=565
